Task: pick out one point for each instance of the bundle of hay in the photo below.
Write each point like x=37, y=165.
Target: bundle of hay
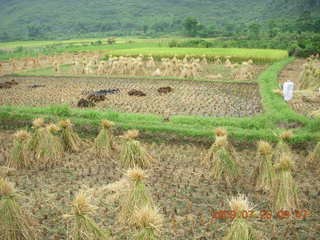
x=14, y=223
x=245, y=72
x=314, y=157
x=48, y=146
x=103, y=142
x=7, y=171
x=37, y=124
x=70, y=139
x=314, y=114
x=19, y=157
x=148, y=222
x=264, y=173
x=84, y=227
x=310, y=76
x=220, y=132
x=221, y=159
x=241, y=229
x=136, y=196
x=285, y=190
x=282, y=146
x=132, y=153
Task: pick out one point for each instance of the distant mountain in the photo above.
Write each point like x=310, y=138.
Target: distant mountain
x=61, y=18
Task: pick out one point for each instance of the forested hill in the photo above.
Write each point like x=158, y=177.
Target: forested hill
x=36, y=19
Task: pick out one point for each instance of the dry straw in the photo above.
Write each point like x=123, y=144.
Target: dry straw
x=132, y=153
x=285, y=190
x=19, y=156
x=136, y=196
x=264, y=173
x=7, y=171
x=103, y=142
x=310, y=76
x=314, y=114
x=14, y=223
x=148, y=221
x=220, y=132
x=241, y=229
x=221, y=158
x=70, y=139
x=49, y=146
x=314, y=157
x=37, y=125
x=84, y=227
x=282, y=146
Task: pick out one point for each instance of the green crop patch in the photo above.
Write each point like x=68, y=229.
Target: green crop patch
x=235, y=54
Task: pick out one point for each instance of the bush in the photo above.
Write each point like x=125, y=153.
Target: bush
x=96, y=43
x=173, y=43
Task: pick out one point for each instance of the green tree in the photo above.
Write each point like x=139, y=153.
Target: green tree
x=145, y=29
x=191, y=25
x=272, y=29
x=254, y=30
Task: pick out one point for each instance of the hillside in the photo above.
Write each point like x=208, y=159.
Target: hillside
x=44, y=18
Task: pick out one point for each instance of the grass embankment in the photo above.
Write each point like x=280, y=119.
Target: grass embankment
x=263, y=126
x=235, y=54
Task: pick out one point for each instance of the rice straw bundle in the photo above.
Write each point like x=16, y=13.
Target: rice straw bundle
x=314, y=114
x=14, y=223
x=135, y=197
x=49, y=147
x=7, y=171
x=314, y=157
x=285, y=189
x=240, y=229
x=282, y=146
x=70, y=138
x=220, y=132
x=132, y=153
x=103, y=142
x=34, y=142
x=19, y=157
x=264, y=173
x=84, y=227
x=148, y=222
x=221, y=160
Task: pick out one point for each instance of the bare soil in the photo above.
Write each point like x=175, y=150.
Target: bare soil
x=194, y=98
x=181, y=187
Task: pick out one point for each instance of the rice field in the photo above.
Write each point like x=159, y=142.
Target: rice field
x=188, y=98
x=236, y=54
x=56, y=182
x=187, y=196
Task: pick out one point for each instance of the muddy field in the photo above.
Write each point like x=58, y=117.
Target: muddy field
x=187, y=98
x=180, y=186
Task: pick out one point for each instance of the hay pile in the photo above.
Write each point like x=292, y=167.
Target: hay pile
x=14, y=223
x=132, y=153
x=221, y=159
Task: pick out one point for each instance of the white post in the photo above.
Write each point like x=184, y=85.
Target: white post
x=288, y=87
